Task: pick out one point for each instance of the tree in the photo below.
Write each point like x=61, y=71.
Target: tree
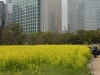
x=96, y=37
x=72, y=39
x=48, y=37
x=12, y=33
x=64, y=37
x=80, y=36
x=89, y=36
x=3, y=20
x=30, y=38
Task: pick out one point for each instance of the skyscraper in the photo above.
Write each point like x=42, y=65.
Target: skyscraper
x=31, y=14
x=73, y=15
x=9, y=4
x=38, y=15
x=83, y=14
x=90, y=11
x=55, y=15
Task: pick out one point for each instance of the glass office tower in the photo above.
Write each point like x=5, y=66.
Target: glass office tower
x=30, y=15
x=27, y=13
x=38, y=15
x=83, y=14
x=73, y=15
x=9, y=4
x=90, y=10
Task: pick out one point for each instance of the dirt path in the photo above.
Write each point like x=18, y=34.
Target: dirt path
x=96, y=66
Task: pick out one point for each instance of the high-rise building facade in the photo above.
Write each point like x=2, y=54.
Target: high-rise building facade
x=91, y=14
x=38, y=15
x=73, y=15
x=9, y=4
x=2, y=12
x=55, y=15
x=83, y=14
x=32, y=15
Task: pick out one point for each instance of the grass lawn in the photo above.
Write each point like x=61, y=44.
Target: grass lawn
x=48, y=70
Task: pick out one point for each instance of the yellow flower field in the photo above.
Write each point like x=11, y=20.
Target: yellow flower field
x=28, y=57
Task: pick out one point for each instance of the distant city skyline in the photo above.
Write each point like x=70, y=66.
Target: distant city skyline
x=38, y=15
x=64, y=14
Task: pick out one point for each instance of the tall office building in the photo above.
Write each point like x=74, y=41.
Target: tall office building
x=2, y=12
x=31, y=14
x=9, y=4
x=90, y=11
x=83, y=14
x=38, y=15
x=73, y=15
x=55, y=15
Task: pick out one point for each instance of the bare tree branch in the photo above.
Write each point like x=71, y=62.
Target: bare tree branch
x=2, y=18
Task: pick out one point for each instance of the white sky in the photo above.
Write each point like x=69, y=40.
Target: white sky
x=64, y=13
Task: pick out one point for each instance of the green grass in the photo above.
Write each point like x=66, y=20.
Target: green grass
x=47, y=70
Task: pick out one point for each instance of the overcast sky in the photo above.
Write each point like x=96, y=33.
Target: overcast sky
x=64, y=13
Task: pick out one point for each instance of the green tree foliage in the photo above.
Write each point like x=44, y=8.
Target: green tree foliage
x=96, y=37
x=89, y=36
x=48, y=37
x=65, y=38
x=80, y=37
x=33, y=38
x=12, y=33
